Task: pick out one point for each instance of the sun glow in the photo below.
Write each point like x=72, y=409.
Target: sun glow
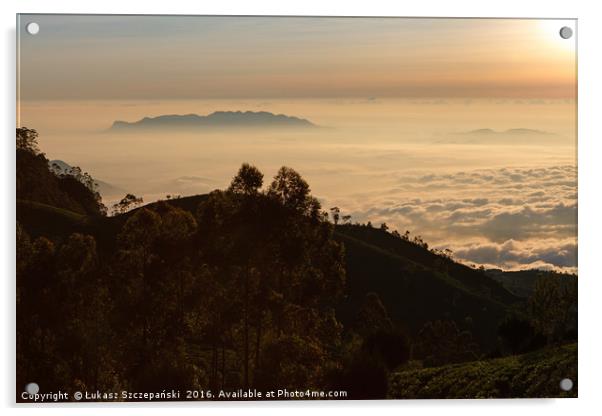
x=550, y=33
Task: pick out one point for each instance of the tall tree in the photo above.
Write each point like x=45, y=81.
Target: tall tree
x=553, y=306
x=247, y=181
x=290, y=189
x=153, y=257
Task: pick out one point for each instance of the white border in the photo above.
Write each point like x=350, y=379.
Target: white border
x=590, y=201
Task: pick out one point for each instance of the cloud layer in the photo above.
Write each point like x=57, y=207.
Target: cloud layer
x=514, y=218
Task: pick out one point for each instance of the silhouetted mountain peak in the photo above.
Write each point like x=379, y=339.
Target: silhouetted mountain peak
x=217, y=119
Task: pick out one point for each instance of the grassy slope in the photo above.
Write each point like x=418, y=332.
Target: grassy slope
x=535, y=374
x=416, y=286
x=462, y=275
x=35, y=182
x=41, y=219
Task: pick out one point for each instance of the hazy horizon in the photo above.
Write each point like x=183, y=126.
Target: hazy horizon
x=397, y=95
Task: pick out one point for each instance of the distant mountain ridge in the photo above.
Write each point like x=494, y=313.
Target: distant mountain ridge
x=514, y=136
x=510, y=131
x=217, y=119
x=522, y=282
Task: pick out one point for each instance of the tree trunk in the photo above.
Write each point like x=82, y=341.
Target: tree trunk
x=246, y=330
x=181, y=303
x=214, y=381
x=258, y=341
x=223, y=365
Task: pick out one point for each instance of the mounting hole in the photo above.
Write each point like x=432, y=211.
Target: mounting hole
x=33, y=28
x=32, y=388
x=566, y=32
x=566, y=384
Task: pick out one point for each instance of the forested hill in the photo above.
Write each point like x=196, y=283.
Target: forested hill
x=417, y=286
x=414, y=284
x=73, y=191
x=470, y=279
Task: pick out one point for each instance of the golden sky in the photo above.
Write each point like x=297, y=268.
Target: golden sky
x=169, y=57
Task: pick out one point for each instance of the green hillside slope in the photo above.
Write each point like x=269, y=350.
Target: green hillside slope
x=35, y=182
x=537, y=374
x=417, y=286
x=42, y=219
x=470, y=279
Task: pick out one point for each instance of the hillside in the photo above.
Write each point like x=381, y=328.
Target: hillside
x=43, y=219
x=257, y=288
x=58, y=223
x=532, y=375
x=414, y=284
x=106, y=189
x=35, y=182
x=417, y=286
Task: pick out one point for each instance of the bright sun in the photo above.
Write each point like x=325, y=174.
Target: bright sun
x=550, y=33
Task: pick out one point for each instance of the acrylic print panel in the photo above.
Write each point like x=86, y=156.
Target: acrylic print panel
x=283, y=208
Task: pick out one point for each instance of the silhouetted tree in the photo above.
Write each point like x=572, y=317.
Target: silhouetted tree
x=156, y=300
x=242, y=294
x=27, y=139
x=277, y=249
x=373, y=316
x=391, y=346
x=290, y=189
x=63, y=316
x=363, y=377
x=84, y=306
x=126, y=204
x=247, y=181
x=516, y=334
x=38, y=182
x=553, y=306
x=336, y=213
x=442, y=342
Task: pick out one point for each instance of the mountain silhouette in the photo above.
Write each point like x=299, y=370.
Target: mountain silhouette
x=514, y=136
x=217, y=119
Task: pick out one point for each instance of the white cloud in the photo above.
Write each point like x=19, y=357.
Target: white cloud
x=510, y=217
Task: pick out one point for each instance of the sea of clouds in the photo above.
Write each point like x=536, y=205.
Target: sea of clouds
x=513, y=218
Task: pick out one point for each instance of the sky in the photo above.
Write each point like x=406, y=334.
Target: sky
x=148, y=57
x=399, y=99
